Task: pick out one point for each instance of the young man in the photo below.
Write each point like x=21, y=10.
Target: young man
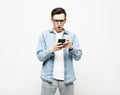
x=57, y=57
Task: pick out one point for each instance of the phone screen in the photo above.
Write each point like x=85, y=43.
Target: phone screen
x=61, y=41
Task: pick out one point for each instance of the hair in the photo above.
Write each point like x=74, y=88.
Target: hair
x=58, y=10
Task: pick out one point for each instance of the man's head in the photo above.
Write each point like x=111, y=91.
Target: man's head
x=58, y=18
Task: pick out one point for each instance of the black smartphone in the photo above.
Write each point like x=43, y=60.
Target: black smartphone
x=61, y=41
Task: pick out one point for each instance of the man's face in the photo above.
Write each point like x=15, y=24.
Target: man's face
x=58, y=21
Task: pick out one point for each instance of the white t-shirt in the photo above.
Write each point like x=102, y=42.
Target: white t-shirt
x=58, y=69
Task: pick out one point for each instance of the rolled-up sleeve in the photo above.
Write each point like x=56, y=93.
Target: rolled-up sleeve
x=76, y=53
x=43, y=53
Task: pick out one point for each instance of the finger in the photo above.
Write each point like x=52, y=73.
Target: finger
x=59, y=44
x=66, y=43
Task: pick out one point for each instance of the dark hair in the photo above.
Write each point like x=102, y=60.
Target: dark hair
x=58, y=10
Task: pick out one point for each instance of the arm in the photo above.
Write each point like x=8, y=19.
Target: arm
x=43, y=53
x=76, y=53
x=74, y=49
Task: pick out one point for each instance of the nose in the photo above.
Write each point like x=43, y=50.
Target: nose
x=59, y=23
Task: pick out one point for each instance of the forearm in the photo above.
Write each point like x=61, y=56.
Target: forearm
x=76, y=54
x=44, y=55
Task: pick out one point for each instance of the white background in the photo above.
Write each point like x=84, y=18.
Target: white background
x=96, y=23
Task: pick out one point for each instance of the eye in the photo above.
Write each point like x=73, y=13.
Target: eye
x=61, y=20
x=56, y=21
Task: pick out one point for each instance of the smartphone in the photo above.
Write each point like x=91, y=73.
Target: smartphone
x=61, y=41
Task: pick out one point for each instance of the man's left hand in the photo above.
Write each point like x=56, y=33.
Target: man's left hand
x=68, y=44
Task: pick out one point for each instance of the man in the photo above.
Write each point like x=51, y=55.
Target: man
x=57, y=57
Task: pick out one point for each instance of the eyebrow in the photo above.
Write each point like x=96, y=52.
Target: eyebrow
x=61, y=20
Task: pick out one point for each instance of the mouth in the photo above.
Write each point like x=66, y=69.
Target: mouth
x=59, y=27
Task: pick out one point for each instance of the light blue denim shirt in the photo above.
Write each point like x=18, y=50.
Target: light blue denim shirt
x=46, y=41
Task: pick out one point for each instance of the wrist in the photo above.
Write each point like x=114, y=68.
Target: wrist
x=51, y=50
x=70, y=49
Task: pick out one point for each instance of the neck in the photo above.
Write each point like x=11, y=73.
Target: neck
x=58, y=31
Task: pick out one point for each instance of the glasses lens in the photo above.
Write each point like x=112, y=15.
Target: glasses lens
x=56, y=21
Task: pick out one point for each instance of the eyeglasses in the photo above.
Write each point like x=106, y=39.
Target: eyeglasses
x=56, y=20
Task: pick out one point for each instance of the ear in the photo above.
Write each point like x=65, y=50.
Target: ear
x=51, y=20
x=65, y=19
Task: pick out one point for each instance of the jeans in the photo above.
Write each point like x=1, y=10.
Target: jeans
x=49, y=88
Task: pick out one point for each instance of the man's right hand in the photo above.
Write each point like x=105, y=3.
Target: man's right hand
x=56, y=47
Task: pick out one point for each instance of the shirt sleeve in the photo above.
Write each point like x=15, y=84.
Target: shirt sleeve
x=43, y=53
x=76, y=53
